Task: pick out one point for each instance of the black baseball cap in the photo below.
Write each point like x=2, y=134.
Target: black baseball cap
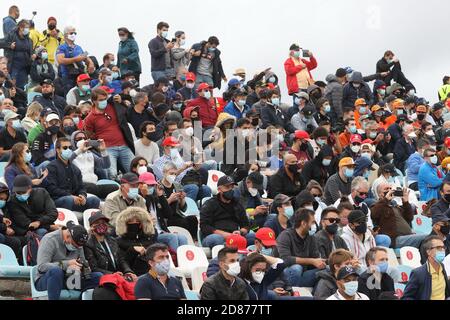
x=346, y=271
x=225, y=181
x=22, y=183
x=98, y=215
x=308, y=110
x=390, y=168
x=130, y=178
x=294, y=47
x=47, y=81
x=357, y=216
x=78, y=233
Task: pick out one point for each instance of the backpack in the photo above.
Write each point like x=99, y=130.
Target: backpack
x=33, y=241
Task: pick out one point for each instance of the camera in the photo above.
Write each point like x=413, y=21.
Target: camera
x=306, y=53
x=85, y=269
x=398, y=192
x=34, y=13
x=94, y=144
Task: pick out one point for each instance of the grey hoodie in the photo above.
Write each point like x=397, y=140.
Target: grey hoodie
x=334, y=93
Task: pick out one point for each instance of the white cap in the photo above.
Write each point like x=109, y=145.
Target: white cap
x=52, y=116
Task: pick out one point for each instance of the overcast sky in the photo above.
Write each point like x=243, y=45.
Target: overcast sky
x=256, y=34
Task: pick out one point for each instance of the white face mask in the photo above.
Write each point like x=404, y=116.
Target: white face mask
x=258, y=276
x=171, y=179
x=234, y=269
x=190, y=85
x=123, y=38
x=80, y=143
x=72, y=37
x=133, y=93
x=189, y=131
x=245, y=133
x=430, y=133
x=355, y=149
x=412, y=135
x=182, y=42
x=253, y=192
x=142, y=169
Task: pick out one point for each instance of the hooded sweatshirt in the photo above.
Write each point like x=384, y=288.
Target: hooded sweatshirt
x=356, y=246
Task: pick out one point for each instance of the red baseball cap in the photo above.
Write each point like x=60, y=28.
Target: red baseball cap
x=148, y=178
x=237, y=241
x=355, y=138
x=267, y=237
x=83, y=77
x=107, y=89
x=203, y=86
x=367, y=141
x=299, y=134
x=447, y=142
x=190, y=76
x=171, y=142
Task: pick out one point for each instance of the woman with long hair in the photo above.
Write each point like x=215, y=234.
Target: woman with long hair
x=20, y=163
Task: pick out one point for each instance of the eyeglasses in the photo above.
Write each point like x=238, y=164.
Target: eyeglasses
x=362, y=194
x=73, y=33
x=333, y=220
x=66, y=147
x=317, y=195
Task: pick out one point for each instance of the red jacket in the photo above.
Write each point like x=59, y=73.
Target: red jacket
x=292, y=70
x=124, y=288
x=207, y=111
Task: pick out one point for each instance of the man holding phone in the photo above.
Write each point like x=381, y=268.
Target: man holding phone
x=298, y=69
x=395, y=220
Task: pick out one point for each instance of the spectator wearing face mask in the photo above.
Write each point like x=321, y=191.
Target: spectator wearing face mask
x=441, y=229
x=430, y=176
x=138, y=114
x=319, y=169
x=327, y=283
x=53, y=38
x=206, y=111
x=281, y=213
x=334, y=93
x=354, y=148
x=298, y=248
x=429, y=281
x=405, y=147
x=273, y=115
x=232, y=241
x=225, y=285
x=146, y=146
x=188, y=91
x=339, y=184
x=287, y=180
x=414, y=162
x=421, y=116
x=350, y=129
x=298, y=70
x=323, y=111
x=128, y=53
x=81, y=92
x=356, y=88
x=238, y=107
x=304, y=120
x=347, y=284
x=41, y=68
x=250, y=197
x=327, y=238
x=136, y=233
x=49, y=99
x=357, y=236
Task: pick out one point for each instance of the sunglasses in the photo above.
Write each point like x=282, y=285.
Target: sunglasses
x=333, y=220
x=66, y=147
x=362, y=194
x=73, y=33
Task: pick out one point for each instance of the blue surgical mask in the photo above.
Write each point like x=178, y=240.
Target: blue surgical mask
x=26, y=31
x=353, y=129
x=70, y=247
x=391, y=180
x=327, y=108
x=133, y=193
x=16, y=125
x=162, y=268
x=115, y=75
x=66, y=154
x=102, y=104
x=349, y=173
x=272, y=79
x=241, y=103
x=267, y=251
x=207, y=95
x=297, y=101
x=366, y=175
x=373, y=135
x=23, y=197
x=211, y=49
x=289, y=212
x=44, y=56
x=321, y=142
x=85, y=87
x=76, y=120
x=440, y=256
x=151, y=190
x=297, y=54
x=382, y=267
x=362, y=110
x=28, y=157
x=164, y=34
x=326, y=162
x=2, y=204
x=351, y=288
x=276, y=101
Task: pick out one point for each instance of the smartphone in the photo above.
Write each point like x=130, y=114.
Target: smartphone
x=305, y=53
x=94, y=143
x=398, y=193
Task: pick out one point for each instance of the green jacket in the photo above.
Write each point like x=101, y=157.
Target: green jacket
x=34, y=133
x=129, y=50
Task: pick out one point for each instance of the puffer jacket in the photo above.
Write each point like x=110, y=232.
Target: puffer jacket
x=334, y=92
x=351, y=94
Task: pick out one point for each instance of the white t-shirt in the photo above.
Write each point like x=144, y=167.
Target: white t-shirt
x=150, y=153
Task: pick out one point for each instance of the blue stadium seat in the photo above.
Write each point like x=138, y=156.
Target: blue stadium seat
x=9, y=267
x=422, y=224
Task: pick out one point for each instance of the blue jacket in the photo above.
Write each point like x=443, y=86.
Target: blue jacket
x=429, y=182
x=413, y=164
x=9, y=23
x=129, y=50
x=213, y=267
x=272, y=223
x=402, y=152
x=234, y=111
x=12, y=171
x=64, y=180
x=419, y=285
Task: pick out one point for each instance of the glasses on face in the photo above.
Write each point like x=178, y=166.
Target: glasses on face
x=66, y=147
x=317, y=195
x=73, y=33
x=363, y=194
x=333, y=220
x=439, y=248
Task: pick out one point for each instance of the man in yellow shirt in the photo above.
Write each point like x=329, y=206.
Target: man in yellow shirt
x=430, y=281
x=51, y=39
x=35, y=35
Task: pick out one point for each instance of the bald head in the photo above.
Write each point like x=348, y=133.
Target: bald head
x=289, y=159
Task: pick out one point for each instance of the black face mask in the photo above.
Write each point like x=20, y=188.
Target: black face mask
x=47, y=95
x=51, y=27
x=420, y=117
x=332, y=228
x=445, y=230
x=133, y=229
x=52, y=130
x=358, y=200
x=317, y=95
x=70, y=129
x=293, y=168
x=361, y=229
x=255, y=122
x=304, y=147
x=151, y=136
x=447, y=198
x=229, y=195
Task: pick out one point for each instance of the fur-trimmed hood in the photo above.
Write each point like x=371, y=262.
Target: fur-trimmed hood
x=134, y=212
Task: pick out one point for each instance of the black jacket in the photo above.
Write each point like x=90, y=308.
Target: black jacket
x=386, y=285
x=325, y=245
x=281, y=183
x=121, y=112
x=137, y=263
x=64, y=180
x=402, y=152
x=217, y=73
x=98, y=257
x=163, y=211
x=219, y=288
x=41, y=145
x=39, y=76
x=326, y=285
x=215, y=214
x=273, y=116
x=39, y=207
x=56, y=103
x=315, y=170
x=158, y=52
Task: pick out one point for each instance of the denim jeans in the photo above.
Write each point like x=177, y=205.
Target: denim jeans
x=412, y=240
x=215, y=239
x=197, y=193
x=53, y=282
x=92, y=202
x=204, y=79
x=122, y=155
x=383, y=240
x=296, y=277
x=158, y=74
x=172, y=240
